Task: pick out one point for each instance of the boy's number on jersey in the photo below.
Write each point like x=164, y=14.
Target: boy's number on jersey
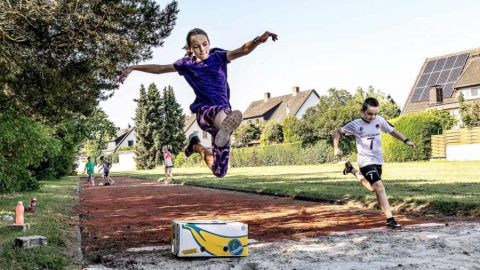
x=371, y=142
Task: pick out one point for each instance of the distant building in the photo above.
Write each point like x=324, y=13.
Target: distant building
x=191, y=126
x=441, y=80
x=277, y=108
x=124, y=138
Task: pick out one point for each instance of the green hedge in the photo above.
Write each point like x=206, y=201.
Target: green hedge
x=194, y=160
x=271, y=155
x=419, y=128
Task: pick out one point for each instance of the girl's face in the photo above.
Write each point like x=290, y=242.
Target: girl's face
x=370, y=113
x=200, y=46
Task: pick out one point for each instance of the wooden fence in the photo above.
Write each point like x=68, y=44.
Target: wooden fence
x=453, y=137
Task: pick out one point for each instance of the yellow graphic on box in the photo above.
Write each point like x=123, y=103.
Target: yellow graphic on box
x=218, y=245
x=189, y=251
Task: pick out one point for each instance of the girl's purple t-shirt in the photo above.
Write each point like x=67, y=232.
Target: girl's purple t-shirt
x=208, y=79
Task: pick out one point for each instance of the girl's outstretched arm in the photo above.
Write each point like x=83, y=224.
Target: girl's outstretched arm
x=250, y=46
x=156, y=69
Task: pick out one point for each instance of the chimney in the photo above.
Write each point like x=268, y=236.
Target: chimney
x=436, y=94
x=266, y=96
x=295, y=90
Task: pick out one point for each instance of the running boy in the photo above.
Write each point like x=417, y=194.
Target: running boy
x=90, y=169
x=205, y=70
x=105, y=166
x=366, y=130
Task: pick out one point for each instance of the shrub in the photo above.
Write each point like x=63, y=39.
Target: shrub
x=271, y=155
x=418, y=127
x=271, y=133
x=23, y=145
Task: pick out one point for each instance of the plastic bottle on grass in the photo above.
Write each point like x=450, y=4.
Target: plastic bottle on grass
x=19, y=213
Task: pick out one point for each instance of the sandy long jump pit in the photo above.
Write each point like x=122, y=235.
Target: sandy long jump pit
x=137, y=213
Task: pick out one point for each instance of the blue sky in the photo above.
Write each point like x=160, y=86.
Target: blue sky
x=322, y=44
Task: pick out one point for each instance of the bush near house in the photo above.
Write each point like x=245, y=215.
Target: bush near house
x=271, y=155
x=419, y=128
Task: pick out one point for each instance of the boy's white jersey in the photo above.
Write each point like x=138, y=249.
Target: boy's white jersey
x=369, y=141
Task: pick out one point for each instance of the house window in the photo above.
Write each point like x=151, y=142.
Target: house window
x=471, y=93
x=249, y=121
x=205, y=135
x=130, y=143
x=474, y=92
x=257, y=121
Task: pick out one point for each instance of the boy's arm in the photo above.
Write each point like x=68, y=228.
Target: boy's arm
x=250, y=46
x=336, y=139
x=155, y=69
x=402, y=138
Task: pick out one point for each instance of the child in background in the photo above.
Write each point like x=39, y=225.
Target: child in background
x=105, y=166
x=90, y=169
x=168, y=158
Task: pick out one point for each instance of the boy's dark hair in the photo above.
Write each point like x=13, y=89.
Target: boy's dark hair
x=194, y=32
x=101, y=158
x=89, y=157
x=372, y=102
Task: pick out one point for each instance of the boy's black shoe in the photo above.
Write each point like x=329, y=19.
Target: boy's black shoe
x=392, y=224
x=192, y=140
x=348, y=168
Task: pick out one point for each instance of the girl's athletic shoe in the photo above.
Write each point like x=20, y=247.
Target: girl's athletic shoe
x=348, y=168
x=229, y=124
x=192, y=140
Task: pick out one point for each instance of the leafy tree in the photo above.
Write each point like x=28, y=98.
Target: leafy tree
x=470, y=112
x=291, y=129
x=58, y=56
x=23, y=144
x=272, y=133
x=245, y=133
x=98, y=131
x=336, y=109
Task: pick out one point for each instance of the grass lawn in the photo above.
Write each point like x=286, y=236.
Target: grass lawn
x=437, y=186
x=55, y=211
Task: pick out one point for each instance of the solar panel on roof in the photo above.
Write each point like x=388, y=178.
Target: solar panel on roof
x=461, y=59
x=417, y=94
x=423, y=80
x=433, y=78
x=448, y=90
x=425, y=94
x=454, y=74
x=443, y=77
x=439, y=64
x=429, y=66
x=443, y=72
x=450, y=61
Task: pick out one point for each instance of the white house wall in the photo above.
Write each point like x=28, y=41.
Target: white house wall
x=207, y=142
x=130, y=137
x=463, y=152
x=126, y=162
x=312, y=100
